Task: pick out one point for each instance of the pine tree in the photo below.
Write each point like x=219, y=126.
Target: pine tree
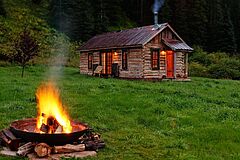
x=180, y=18
x=73, y=17
x=197, y=19
x=220, y=31
x=235, y=16
x=166, y=13
x=2, y=9
x=101, y=21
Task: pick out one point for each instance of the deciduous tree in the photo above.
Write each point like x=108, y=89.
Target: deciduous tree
x=26, y=49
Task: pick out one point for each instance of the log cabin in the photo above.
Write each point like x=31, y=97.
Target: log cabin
x=154, y=52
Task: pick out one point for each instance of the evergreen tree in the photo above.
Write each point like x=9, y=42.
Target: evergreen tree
x=101, y=21
x=220, y=31
x=235, y=15
x=180, y=18
x=197, y=18
x=2, y=9
x=166, y=13
x=73, y=17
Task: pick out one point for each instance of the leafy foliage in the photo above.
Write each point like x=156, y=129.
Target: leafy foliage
x=21, y=15
x=214, y=65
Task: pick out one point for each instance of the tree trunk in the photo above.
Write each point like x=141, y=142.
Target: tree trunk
x=23, y=67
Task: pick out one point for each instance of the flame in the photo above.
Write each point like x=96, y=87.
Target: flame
x=49, y=104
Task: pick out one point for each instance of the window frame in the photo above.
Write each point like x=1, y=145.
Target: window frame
x=90, y=64
x=125, y=53
x=155, y=50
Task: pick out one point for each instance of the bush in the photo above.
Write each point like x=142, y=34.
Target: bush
x=214, y=65
x=199, y=56
x=227, y=68
x=197, y=69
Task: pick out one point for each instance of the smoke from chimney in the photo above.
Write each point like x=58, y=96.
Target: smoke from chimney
x=156, y=7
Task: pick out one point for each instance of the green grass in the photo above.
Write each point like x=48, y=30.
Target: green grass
x=137, y=119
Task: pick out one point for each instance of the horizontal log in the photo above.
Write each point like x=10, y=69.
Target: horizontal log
x=68, y=148
x=26, y=149
x=9, y=139
x=42, y=150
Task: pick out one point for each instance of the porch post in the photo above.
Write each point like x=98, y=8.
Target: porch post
x=186, y=65
x=175, y=63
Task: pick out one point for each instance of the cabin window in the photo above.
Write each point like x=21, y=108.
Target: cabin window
x=124, y=59
x=90, y=60
x=155, y=59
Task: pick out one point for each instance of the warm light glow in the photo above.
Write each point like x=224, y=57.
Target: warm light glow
x=115, y=53
x=49, y=104
x=163, y=53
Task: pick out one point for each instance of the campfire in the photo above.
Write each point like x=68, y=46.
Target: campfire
x=51, y=116
x=52, y=134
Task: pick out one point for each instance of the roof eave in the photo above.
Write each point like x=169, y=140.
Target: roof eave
x=184, y=50
x=107, y=48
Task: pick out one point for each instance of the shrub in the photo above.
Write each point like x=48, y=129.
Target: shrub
x=214, y=65
x=197, y=69
x=199, y=56
x=227, y=68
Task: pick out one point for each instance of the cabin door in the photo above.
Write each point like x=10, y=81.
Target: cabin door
x=106, y=62
x=170, y=64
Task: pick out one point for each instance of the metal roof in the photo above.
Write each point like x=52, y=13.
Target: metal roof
x=136, y=37
x=176, y=45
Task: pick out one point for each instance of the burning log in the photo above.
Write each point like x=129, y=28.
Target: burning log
x=26, y=149
x=42, y=150
x=52, y=125
x=68, y=148
x=9, y=139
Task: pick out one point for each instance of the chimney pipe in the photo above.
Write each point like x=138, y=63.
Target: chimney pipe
x=156, y=18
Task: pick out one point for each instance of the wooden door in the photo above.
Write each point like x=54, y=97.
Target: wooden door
x=106, y=62
x=109, y=59
x=170, y=64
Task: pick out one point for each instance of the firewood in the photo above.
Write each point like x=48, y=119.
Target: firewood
x=42, y=150
x=44, y=128
x=4, y=139
x=26, y=149
x=68, y=148
x=52, y=125
x=9, y=139
x=59, y=129
x=94, y=145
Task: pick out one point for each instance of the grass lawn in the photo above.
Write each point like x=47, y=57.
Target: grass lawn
x=137, y=119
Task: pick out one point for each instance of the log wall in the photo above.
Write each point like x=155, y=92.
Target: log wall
x=181, y=65
x=84, y=62
x=135, y=65
x=148, y=73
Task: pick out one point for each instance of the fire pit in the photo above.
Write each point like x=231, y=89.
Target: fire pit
x=25, y=129
x=52, y=134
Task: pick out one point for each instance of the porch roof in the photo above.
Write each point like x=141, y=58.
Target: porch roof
x=177, y=45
